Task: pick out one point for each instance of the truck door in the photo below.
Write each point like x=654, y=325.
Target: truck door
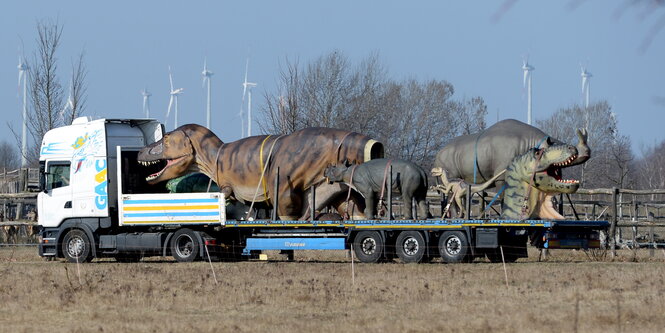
x=56, y=203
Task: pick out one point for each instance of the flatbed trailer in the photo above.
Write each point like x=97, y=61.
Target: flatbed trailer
x=95, y=203
x=454, y=240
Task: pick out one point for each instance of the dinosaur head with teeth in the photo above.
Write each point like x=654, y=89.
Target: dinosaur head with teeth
x=173, y=156
x=534, y=178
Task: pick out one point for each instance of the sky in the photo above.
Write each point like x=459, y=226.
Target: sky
x=475, y=45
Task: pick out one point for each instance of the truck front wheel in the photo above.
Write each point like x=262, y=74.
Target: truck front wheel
x=76, y=246
x=185, y=245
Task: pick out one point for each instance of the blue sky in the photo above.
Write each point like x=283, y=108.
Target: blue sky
x=129, y=45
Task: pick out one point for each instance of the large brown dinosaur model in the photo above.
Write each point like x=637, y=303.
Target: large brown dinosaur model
x=237, y=167
x=456, y=189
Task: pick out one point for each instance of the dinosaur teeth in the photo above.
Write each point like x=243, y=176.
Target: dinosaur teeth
x=569, y=181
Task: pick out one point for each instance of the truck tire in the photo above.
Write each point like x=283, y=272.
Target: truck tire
x=453, y=247
x=185, y=245
x=368, y=246
x=76, y=246
x=410, y=246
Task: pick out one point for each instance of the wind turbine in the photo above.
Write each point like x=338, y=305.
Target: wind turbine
x=69, y=104
x=146, y=102
x=173, y=100
x=247, y=89
x=206, y=78
x=527, y=84
x=586, y=88
x=23, y=76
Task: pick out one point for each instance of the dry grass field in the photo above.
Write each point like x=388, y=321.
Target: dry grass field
x=569, y=292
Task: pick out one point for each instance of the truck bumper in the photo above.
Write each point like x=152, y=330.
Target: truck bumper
x=48, y=244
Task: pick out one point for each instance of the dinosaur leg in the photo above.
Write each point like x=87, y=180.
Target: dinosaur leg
x=370, y=204
x=460, y=200
x=290, y=205
x=421, y=201
x=408, y=205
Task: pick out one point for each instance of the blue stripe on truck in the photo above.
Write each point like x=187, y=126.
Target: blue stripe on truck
x=172, y=214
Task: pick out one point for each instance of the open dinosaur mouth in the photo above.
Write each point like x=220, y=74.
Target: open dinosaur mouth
x=554, y=171
x=160, y=166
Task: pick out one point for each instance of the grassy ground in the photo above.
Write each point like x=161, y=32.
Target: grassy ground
x=569, y=292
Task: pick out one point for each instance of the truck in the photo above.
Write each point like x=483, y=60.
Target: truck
x=94, y=202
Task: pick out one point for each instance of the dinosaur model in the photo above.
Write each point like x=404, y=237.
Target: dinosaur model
x=370, y=178
x=478, y=157
x=532, y=180
x=245, y=169
x=456, y=189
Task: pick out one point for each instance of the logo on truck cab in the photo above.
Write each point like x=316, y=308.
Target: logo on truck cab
x=101, y=195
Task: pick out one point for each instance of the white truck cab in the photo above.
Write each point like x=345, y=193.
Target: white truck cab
x=83, y=211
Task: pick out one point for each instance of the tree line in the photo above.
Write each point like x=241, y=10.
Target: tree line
x=413, y=118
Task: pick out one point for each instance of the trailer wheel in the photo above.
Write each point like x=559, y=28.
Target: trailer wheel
x=76, y=246
x=453, y=247
x=185, y=245
x=368, y=246
x=410, y=246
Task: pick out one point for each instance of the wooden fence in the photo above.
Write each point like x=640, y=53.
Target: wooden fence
x=637, y=218
x=19, y=180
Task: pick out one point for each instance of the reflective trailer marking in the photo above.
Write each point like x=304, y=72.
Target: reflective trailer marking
x=170, y=208
x=169, y=201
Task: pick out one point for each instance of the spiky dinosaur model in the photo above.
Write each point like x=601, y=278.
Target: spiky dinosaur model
x=238, y=167
x=532, y=180
x=456, y=189
x=480, y=156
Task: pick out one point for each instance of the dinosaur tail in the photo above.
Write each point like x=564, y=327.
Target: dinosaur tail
x=485, y=185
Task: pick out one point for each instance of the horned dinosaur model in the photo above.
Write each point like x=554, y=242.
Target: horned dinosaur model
x=371, y=179
x=456, y=190
x=532, y=180
x=478, y=157
x=246, y=169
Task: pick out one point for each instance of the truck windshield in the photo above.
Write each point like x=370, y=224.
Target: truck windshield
x=57, y=175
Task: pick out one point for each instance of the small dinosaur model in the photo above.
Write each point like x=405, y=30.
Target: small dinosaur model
x=456, y=190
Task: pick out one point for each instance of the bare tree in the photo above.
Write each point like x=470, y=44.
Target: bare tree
x=651, y=167
x=413, y=119
x=281, y=111
x=611, y=156
x=46, y=92
x=9, y=157
x=78, y=90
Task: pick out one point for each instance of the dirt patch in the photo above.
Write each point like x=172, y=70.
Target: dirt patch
x=567, y=292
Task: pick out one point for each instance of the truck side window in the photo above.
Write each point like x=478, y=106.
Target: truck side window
x=57, y=175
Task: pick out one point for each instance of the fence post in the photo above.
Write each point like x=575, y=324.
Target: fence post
x=615, y=219
x=652, y=243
